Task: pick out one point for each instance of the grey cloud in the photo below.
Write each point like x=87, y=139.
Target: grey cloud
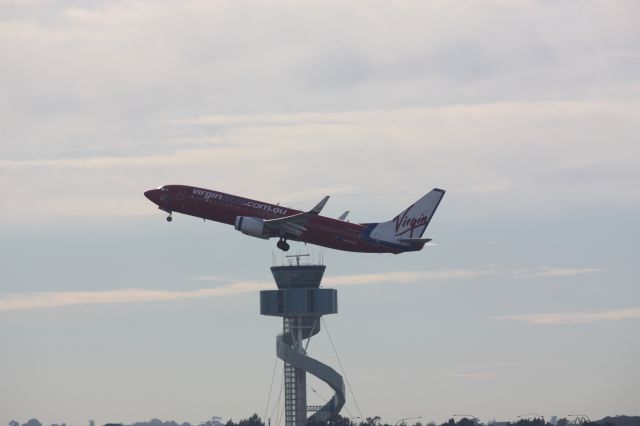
x=47, y=300
x=515, y=149
x=550, y=271
x=588, y=174
x=106, y=84
x=473, y=376
x=561, y=318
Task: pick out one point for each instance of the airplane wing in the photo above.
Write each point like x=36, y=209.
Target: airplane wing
x=294, y=224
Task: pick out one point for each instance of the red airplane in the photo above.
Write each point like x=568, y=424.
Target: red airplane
x=263, y=220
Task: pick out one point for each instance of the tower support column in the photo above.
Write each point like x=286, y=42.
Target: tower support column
x=295, y=379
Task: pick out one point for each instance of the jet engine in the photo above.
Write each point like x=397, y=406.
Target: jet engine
x=251, y=226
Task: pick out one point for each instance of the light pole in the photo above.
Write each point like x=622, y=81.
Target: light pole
x=407, y=418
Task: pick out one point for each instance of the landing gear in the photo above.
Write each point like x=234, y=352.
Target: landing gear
x=283, y=245
x=169, y=218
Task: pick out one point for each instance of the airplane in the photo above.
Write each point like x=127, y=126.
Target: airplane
x=263, y=220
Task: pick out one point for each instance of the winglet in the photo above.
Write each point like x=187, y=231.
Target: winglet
x=344, y=215
x=317, y=209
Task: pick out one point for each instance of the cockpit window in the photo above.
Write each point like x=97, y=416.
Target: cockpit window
x=163, y=188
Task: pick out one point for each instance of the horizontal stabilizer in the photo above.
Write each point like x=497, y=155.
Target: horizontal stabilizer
x=414, y=240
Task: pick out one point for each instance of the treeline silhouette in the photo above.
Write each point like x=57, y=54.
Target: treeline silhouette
x=255, y=420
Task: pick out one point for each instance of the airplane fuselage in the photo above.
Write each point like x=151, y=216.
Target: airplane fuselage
x=226, y=208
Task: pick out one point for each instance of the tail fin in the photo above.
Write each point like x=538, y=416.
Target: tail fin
x=411, y=222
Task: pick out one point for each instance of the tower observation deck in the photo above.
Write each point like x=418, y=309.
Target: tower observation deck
x=300, y=302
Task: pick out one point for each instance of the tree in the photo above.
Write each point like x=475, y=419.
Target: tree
x=372, y=421
x=251, y=421
x=33, y=422
x=466, y=422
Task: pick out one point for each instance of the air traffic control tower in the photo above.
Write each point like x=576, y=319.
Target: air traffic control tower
x=300, y=302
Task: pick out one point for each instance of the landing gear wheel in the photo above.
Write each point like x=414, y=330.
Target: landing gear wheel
x=169, y=218
x=282, y=245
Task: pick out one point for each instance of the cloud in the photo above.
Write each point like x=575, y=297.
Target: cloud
x=93, y=75
x=550, y=271
x=264, y=120
x=210, y=278
x=500, y=184
x=574, y=317
x=511, y=163
x=388, y=277
x=483, y=370
x=473, y=376
x=492, y=365
x=42, y=300
x=404, y=277
x=181, y=157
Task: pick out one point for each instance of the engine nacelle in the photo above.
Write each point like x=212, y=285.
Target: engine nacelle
x=251, y=226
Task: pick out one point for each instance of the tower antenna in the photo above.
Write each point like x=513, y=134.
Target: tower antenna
x=297, y=256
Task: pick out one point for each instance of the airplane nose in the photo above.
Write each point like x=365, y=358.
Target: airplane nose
x=152, y=195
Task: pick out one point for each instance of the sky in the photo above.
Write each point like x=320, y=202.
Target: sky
x=526, y=112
